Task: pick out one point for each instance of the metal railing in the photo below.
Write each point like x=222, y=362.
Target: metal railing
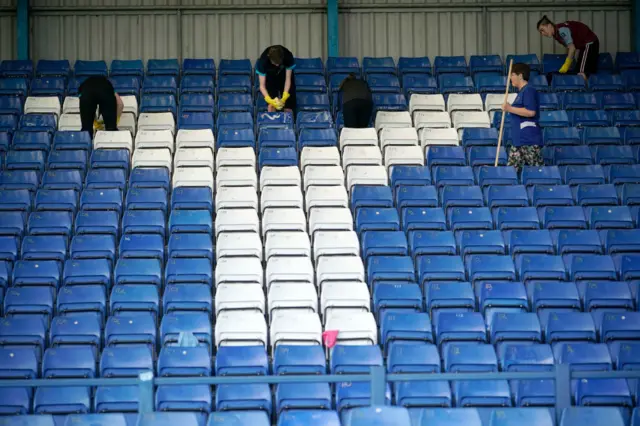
x=378, y=378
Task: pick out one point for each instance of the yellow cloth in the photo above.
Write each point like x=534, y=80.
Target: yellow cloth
x=567, y=65
x=273, y=102
x=98, y=125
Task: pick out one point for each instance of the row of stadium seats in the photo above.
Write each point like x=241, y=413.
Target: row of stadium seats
x=370, y=65
x=370, y=416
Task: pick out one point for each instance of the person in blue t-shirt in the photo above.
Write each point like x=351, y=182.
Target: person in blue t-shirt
x=526, y=135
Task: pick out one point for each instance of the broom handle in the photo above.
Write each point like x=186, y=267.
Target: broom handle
x=506, y=98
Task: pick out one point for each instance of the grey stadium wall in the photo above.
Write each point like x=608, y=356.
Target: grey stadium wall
x=128, y=29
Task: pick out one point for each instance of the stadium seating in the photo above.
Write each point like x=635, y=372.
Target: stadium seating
x=401, y=238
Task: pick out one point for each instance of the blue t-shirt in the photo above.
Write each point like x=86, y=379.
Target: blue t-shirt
x=526, y=130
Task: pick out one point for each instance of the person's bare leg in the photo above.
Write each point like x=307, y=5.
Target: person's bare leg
x=288, y=110
x=270, y=108
x=583, y=75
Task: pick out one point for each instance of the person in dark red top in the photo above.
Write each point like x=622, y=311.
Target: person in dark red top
x=579, y=40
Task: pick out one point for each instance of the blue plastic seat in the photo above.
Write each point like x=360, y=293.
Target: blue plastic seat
x=48, y=86
x=169, y=418
x=602, y=136
x=128, y=330
x=310, y=82
x=354, y=359
x=414, y=65
x=10, y=105
x=303, y=417
x=618, y=326
x=163, y=67
x=622, y=241
x=379, y=65
x=357, y=394
x=8, y=123
x=16, y=68
x=46, y=67
x=177, y=361
x=96, y=222
x=479, y=136
x=184, y=298
x=234, y=66
x=377, y=416
x=12, y=223
x=455, y=83
x=498, y=196
x=383, y=83
x=407, y=175
x=460, y=327
x=197, y=102
x=568, y=326
x=606, y=82
x=423, y=242
x=446, y=156
x=126, y=85
x=276, y=138
x=14, y=86
x=461, y=196
x=480, y=242
x=190, y=221
x=62, y=180
x=596, y=416
x=612, y=101
x=197, y=398
x=44, y=247
x=441, y=296
x=192, y=83
x=556, y=295
x=469, y=357
x=36, y=273
x=389, y=102
x=554, y=119
x=540, y=267
x=146, y=199
x=244, y=397
x=389, y=268
x=188, y=270
x=422, y=218
x=314, y=120
x=9, y=248
x=26, y=141
x=68, y=362
x=507, y=218
x=440, y=268
x=68, y=160
x=609, y=217
x=301, y=396
x=29, y=301
x=76, y=329
x=141, y=246
x=190, y=245
x=152, y=103
x=419, y=84
x=87, y=272
x=490, y=267
x=317, y=138
x=567, y=82
x=384, y=243
x=583, y=175
x=489, y=175
x=343, y=65
x=399, y=297
x=125, y=361
x=507, y=328
x=277, y=157
x=228, y=102
x=613, y=154
x=589, y=118
x=138, y=271
x=370, y=196
x=313, y=102
x=563, y=218
x=195, y=120
x=530, y=242
x=83, y=299
x=402, y=328
x=605, y=295
x=581, y=101
x=376, y=218
x=590, y=267
x=547, y=101
x=235, y=138
x=450, y=64
x=309, y=66
x=111, y=158
x=469, y=218
x=63, y=140
x=572, y=156
x=298, y=360
x=71, y=400
x=479, y=156
x=16, y=402
x=546, y=175
x=601, y=195
x=405, y=357
x=19, y=363
x=274, y=120
x=101, y=199
x=234, y=120
x=619, y=174
x=198, y=67
x=241, y=361
x=90, y=68
x=577, y=241
x=93, y=247
x=444, y=175
x=25, y=160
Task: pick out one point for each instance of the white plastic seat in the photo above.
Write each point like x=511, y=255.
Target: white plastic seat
x=349, y=136
x=130, y=105
x=157, y=121
x=295, y=328
x=323, y=175
x=469, y=119
x=239, y=297
x=154, y=139
x=282, y=219
x=281, y=196
x=404, y=155
x=237, y=220
x=289, y=269
x=201, y=138
x=354, y=328
x=193, y=176
x=493, y=101
x=386, y=119
x=432, y=120
x=429, y=137
x=238, y=244
x=297, y=296
x=152, y=158
x=128, y=122
x=194, y=157
x=366, y=175
x=120, y=139
x=335, y=243
x=241, y=328
x=243, y=156
x=326, y=196
x=344, y=297
x=70, y=122
x=361, y=155
x=280, y=176
x=419, y=103
x=329, y=219
x=319, y=156
x=287, y=244
x=234, y=270
x=71, y=105
x=241, y=197
x=464, y=102
x=42, y=105
x=339, y=268
x=398, y=137
x=236, y=176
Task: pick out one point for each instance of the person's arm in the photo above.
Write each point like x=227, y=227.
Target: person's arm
x=287, y=81
x=119, y=106
x=263, y=85
x=565, y=34
x=522, y=112
x=530, y=105
x=262, y=78
x=290, y=64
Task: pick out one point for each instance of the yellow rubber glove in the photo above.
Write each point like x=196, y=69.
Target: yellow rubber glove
x=118, y=120
x=285, y=96
x=98, y=125
x=565, y=68
x=273, y=102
